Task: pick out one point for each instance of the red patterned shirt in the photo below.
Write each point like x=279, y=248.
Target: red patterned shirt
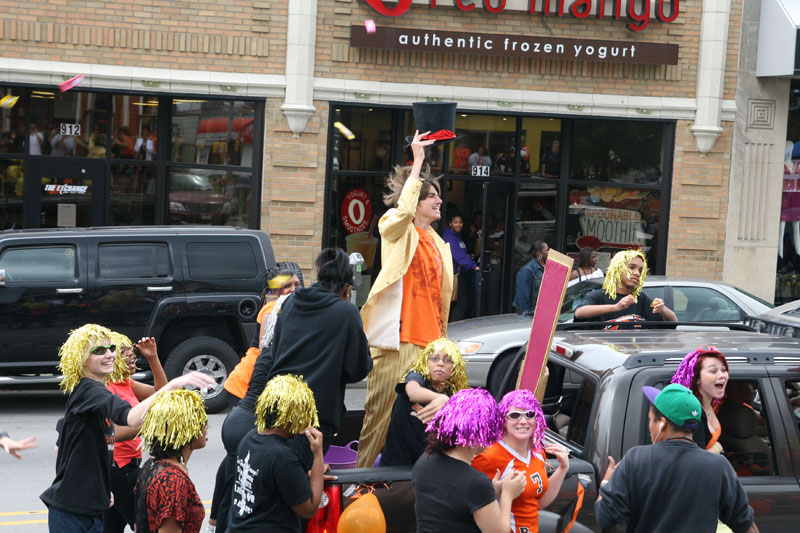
x=169, y=494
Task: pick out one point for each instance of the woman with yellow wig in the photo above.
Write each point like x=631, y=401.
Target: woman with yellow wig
x=272, y=490
x=81, y=492
x=166, y=499
x=438, y=373
x=621, y=294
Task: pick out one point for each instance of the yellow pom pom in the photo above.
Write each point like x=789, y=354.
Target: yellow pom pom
x=619, y=266
x=289, y=403
x=121, y=370
x=74, y=352
x=174, y=419
x=458, y=377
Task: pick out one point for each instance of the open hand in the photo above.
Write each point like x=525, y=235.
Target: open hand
x=147, y=347
x=418, y=145
x=561, y=453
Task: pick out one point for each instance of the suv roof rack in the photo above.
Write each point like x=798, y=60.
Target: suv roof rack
x=652, y=324
x=657, y=359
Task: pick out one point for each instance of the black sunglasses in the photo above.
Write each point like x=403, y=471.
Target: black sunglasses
x=100, y=350
x=516, y=415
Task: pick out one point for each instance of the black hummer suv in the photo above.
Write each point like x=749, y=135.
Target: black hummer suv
x=197, y=290
x=595, y=407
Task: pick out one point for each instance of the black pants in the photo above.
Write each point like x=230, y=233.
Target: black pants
x=462, y=308
x=123, y=480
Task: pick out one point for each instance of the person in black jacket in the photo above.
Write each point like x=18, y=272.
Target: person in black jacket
x=327, y=347
x=320, y=336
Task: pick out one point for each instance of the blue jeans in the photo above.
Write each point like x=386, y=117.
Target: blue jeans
x=59, y=520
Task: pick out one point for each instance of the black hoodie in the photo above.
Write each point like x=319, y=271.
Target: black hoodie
x=320, y=337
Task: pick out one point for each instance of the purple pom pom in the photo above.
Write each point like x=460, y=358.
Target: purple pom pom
x=525, y=399
x=685, y=373
x=469, y=418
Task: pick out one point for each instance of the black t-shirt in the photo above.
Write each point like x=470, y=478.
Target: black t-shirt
x=447, y=492
x=83, y=464
x=269, y=481
x=405, y=439
x=642, y=307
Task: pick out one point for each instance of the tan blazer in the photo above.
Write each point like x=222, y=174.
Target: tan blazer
x=399, y=239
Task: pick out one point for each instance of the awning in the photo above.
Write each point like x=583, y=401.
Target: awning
x=778, y=40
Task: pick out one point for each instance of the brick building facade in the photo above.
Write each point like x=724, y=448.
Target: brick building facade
x=297, y=63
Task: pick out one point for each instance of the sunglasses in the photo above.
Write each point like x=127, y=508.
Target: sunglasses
x=516, y=415
x=100, y=350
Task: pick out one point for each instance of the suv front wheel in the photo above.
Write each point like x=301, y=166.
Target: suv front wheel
x=207, y=354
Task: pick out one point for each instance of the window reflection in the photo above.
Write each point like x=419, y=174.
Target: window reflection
x=70, y=124
x=203, y=196
x=133, y=195
x=488, y=147
x=213, y=132
x=135, y=127
x=535, y=220
x=617, y=150
x=362, y=139
x=12, y=120
x=541, y=147
x=11, y=183
x=610, y=219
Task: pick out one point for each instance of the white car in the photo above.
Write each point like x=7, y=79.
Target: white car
x=484, y=339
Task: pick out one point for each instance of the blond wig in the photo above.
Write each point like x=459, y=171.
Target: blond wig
x=618, y=267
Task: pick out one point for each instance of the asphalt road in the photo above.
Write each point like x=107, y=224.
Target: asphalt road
x=24, y=413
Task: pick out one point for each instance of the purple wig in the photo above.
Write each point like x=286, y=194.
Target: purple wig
x=525, y=399
x=685, y=373
x=469, y=418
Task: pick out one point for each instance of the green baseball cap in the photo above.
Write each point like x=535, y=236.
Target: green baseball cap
x=677, y=403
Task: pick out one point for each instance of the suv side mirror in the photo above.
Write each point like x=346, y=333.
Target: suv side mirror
x=2, y=277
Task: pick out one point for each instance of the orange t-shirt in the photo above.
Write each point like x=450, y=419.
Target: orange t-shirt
x=126, y=450
x=421, y=314
x=239, y=378
x=460, y=157
x=525, y=509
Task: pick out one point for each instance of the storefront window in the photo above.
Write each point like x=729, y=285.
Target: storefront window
x=540, y=152
x=610, y=219
x=70, y=124
x=204, y=196
x=362, y=139
x=212, y=132
x=133, y=195
x=11, y=182
x=135, y=127
x=787, y=286
x=12, y=120
x=617, y=150
x=535, y=219
x=487, y=148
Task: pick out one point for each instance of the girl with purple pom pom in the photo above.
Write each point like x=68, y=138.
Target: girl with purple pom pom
x=705, y=372
x=522, y=448
x=450, y=494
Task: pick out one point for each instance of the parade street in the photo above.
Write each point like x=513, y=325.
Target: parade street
x=24, y=413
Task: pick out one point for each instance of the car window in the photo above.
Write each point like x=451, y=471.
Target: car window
x=696, y=304
x=46, y=263
x=793, y=395
x=133, y=261
x=573, y=297
x=221, y=260
x=654, y=292
x=746, y=437
x=569, y=398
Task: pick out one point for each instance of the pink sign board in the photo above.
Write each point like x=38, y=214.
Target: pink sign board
x=545, y=318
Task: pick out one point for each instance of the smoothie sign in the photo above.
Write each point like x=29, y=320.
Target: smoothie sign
x=611, y=228
x=638, y=12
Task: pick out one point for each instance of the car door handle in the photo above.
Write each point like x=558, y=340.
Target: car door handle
x=69, y=291
x=161, y=288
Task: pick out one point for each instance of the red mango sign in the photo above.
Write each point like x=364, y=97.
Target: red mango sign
x=637, y=12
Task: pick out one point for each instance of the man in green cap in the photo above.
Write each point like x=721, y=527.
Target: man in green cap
x=672, y=485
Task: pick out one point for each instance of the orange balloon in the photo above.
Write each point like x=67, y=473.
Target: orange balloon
x=363, y=516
